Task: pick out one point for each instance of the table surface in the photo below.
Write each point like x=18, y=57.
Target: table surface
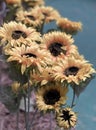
x=84, y=11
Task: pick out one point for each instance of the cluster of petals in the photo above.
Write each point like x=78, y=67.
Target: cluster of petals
x=50, y=14
x=72, y=70
x=42, y=77
x=66, y=118
x=50, y=97
x=27, y=56
x=13, y=1
x=69, y=26
x=58, y=44
x=14, y=33
x=32, y=17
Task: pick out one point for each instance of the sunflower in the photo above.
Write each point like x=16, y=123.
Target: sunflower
x=43, y=77
x=14, y=33
x=49, y=13
x=69, y=26
x=15, y=86
x=27, y=56
x=13, y=1
x=19, y=88
x=66, y=118
x=51, y=97
x=25, y=86
x=59, y=44
x=32, y=17
x=72, y=70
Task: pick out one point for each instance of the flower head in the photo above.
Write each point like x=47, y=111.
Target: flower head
x=51, y=97
x=15, y=33
x=43, y=77
x=15, y=87
x=69, y=26
x=13, y=1
x=66, y=118
x=50, y=14
x=73, y=70
x=59, y=44
x=32, y=17
x=27, y=56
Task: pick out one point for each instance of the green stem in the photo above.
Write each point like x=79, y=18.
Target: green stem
x=42, y=26
x=73, y=99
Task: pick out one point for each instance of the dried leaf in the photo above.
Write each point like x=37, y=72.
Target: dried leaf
x=8, y=98
x=81, y=87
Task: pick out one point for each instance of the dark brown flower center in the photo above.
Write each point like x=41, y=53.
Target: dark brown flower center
x=38, y=42
x=31, y=17
x=56, y=49
x=45, y=14
x=51, y=97
x=66, y=115
x=30, y=55
x=71, y=71
x=17, y=34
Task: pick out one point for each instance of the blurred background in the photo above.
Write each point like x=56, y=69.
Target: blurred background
x=84, y=11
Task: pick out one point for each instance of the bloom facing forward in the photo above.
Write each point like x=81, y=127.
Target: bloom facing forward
x=59, y=44
x=27, y=56
x=51, y=97
x=72, y=70
x=14, y=33
x=66, y=118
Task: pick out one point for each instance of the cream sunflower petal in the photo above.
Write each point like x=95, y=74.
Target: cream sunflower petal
x=23, y=68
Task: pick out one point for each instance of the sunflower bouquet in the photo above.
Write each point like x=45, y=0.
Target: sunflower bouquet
x=43, y=66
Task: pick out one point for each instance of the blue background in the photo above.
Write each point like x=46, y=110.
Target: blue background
x=84, y=11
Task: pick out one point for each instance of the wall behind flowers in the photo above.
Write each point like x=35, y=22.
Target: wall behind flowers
x=84, y=11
